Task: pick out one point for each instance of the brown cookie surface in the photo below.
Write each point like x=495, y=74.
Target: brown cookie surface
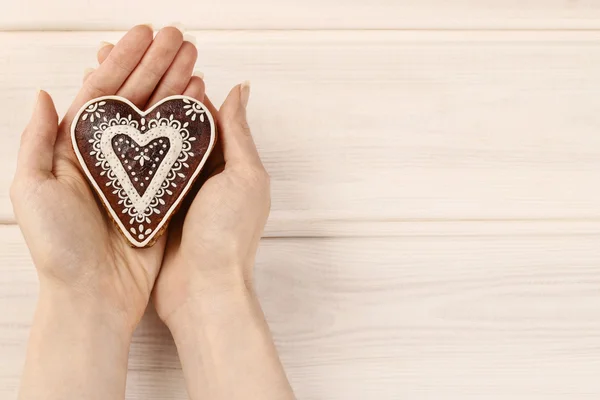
x=142, y=163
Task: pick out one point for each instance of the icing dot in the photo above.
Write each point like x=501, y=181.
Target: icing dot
x=151, y=146
x=161, y=152
x=147, y=178
x=121, y=140
x=129, y=167
x=126, y=161
x=142, y=184
x=160, y=141
x=156, y=159
x=149, y=172
x=145, y=150
x=164, y=146
x=137, y=149
x=135, y=179
x=140, y=236
x=153, y=165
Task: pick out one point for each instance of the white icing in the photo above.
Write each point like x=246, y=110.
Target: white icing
x=141, y=203
x=125, y=200
x=137, y=232
x=193, y=109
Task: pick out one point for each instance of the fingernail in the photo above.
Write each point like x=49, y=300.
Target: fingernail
x=190, y=38
x=177, y=25
x=245, y=93
x=149, y=26
x=103, y=44
x=199, y=74
x=37, y=99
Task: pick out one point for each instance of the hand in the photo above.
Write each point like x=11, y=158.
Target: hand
x=213, y=238
x=75, y=246
x=204, y=292
x=212, y=244
x=207, y=267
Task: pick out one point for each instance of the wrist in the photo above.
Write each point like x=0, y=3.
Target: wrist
x=225, y=347
x=74, y=339
x=211, y=305
x=70, y=307
x=187, y=285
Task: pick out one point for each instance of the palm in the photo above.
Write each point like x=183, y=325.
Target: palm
x=66, y=207
x=223, y=224
x=215, y=210
x=189, y=233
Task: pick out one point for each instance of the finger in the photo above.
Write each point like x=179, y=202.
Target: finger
x=195, y=87
x=150, y=70
x=211, y=107
x=235, y=136
x=178, y=75
x=37, y=142
x=213, y=110
x=87, y=72
x=113, y=72
x=103, y=51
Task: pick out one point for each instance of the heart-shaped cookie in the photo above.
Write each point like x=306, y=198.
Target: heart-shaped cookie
x=142, y=163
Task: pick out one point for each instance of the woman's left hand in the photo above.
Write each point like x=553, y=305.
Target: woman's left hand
x=74, y=244
x=94, y=288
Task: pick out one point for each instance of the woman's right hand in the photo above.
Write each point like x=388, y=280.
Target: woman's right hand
x=212, y=247
x=204, y=290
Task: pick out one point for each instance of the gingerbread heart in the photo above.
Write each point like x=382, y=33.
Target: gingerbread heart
x=142, y=163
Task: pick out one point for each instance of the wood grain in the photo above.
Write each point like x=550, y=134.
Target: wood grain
x=435, y=225
x=379, y=127
x=308, y=14
x=488, y=317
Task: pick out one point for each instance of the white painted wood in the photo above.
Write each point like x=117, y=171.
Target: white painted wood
x=379, y=128
x=483, y=317
x=307, y=14
x=439, y=189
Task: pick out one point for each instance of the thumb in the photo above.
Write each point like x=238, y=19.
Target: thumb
x=234, y=130
x=37, y=141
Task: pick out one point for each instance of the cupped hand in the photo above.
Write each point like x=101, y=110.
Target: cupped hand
x=75, y=246
x=212, y=244
x=213, y=239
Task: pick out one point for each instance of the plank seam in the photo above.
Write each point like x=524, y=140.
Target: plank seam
x=335, y=30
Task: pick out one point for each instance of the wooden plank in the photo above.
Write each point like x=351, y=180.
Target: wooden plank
x=488, y=317
x=372, y=127
x=308, y=14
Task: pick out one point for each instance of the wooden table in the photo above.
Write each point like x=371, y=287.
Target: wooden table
x=435, y=164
